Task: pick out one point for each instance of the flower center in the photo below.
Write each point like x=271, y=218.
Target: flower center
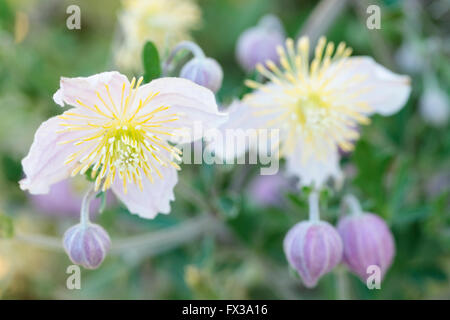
x=125, y=141
x=310, y=109
x=124, y=149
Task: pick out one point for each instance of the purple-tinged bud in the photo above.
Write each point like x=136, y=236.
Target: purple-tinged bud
x=259, y=44
x=435, y=107
x=367, y=241
x=409, y=59
x=87, y=244
x=203, y=71
x=313, y=248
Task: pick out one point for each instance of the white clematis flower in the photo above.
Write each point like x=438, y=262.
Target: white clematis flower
x=164, y=22
x=317, y=107
x=121, y=131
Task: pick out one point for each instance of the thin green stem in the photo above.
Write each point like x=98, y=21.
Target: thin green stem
x=146, y=245
x=342, y=285
x=184, y=45
x=84, y=213
x=313, y=199
x=322, y=18
x=352, y=203
x=40, y=240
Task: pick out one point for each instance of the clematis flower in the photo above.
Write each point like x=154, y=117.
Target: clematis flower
x=318, y=106
x=163, y=22
x=121, y=132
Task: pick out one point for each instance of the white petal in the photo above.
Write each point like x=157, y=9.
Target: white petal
x=85, y=89
x=195, y=104
x=384, y=91
x=44, y=164
x=243, y=123
x=257, y=111
x=154, y=198
x=313, y=170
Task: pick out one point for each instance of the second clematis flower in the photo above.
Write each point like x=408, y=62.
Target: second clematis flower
x=122, y=132
x=318, y=106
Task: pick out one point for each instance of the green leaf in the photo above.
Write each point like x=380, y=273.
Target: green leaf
x=152, y=65
x=296, y=200
x=229, y=205
x=102, y=196
x=6, y=227
x=6, y=16
x=88, y=174
x=11, y=168
x=294, y=273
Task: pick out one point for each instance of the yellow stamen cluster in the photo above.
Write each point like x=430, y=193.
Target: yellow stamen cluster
x=121, y=139
x=306, y=99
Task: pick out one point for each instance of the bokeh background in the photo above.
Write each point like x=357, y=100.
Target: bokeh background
x=223, y=238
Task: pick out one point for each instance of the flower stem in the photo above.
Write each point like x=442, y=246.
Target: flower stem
x=353, y=204
x=313, y=199
x=40, y=240
x=84, y=213
x=184, y=45
x=322, y=18
x=153, y=243
x=342, y=285
x=147, y=244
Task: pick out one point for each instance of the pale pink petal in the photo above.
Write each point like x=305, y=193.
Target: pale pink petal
x=241, y=132
x=314, y=170
x=254, y=116
x=154, y=198
x=194, y=104
x=384, y=91
x=85, y=89
x=44, y=164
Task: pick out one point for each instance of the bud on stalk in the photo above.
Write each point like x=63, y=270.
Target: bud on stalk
x=86, y=243
x=367, y=241
x=313, y=247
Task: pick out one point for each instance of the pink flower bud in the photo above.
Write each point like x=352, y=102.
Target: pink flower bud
x=203, y=71
x=87, y=245
x=259, y=43
x=313, y=248
x=367, y=241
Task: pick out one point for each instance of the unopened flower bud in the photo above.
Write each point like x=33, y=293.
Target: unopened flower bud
x=87, y=244
x=434, y=107
x=203, y=71
x=367, y=242
x=313, y=248
x=409, y=59
x=259, y=44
